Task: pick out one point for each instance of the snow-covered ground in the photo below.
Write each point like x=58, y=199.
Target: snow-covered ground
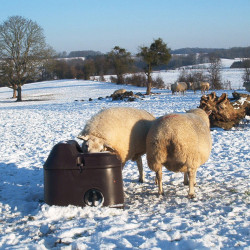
x=54, y=111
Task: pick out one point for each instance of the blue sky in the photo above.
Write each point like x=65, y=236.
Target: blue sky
x=102, y=24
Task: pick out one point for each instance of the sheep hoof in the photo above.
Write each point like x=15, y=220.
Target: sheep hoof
x=187, y=183
x=191, y=196
x=161, y=194
x=141, y=180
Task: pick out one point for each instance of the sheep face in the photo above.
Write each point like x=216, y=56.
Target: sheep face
x=93, y=144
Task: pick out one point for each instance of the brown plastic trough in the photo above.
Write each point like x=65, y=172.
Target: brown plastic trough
x=80, y=179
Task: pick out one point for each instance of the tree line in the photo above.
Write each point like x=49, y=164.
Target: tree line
x=231, y=53
x=116, y=62
x=235, y=52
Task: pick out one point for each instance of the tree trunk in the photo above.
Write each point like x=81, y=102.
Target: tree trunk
x=19, y=93
x=225, y=114
x=149, y=84
x=14, y=93
x=120, y=79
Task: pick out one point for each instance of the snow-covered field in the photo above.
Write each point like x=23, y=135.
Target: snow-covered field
x=54, y=111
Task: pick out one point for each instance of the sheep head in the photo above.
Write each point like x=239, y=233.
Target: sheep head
x=204, y=115
x=93, y=144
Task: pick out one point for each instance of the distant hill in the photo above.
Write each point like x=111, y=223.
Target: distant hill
x=84, y=53
x=193, y=50
x=235, y=52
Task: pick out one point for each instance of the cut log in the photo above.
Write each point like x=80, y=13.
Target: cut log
x=242, y=101
x=225, y=114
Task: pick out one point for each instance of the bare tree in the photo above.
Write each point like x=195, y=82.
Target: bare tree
x=6, y=73
x=156, y=54
x=214, y=71
x=22, y=51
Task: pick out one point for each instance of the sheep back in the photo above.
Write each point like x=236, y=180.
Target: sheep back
x=178, y=87
x=179, y=140
x=123, y=129
x=181, y=86
x=203, y=86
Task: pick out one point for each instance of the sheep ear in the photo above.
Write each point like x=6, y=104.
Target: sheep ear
x=108, y=147
x=209, y=112
x=83, y=137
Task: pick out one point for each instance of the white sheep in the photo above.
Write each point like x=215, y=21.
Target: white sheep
x=180, y=142
x=202, y=86
x=179, y=87
x=118, y=92
x=122, y=130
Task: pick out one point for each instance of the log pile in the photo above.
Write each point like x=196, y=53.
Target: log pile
x=226, y=114
x=242, y=101
x=127, y=96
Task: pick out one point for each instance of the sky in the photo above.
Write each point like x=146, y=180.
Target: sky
x=100, y=25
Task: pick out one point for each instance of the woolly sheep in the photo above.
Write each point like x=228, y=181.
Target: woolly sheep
x=118, y=92
x=203, y=86
x=180, y=142
x=122, y=130
x=179, y=87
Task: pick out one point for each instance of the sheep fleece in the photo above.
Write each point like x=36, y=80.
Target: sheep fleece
x=123, y=129
x=179, y=141
x=178, y=87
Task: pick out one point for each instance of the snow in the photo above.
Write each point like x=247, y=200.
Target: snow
x=54, y=111
x=71, y=58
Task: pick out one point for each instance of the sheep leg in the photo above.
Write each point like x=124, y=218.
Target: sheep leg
x=140, y=169
x=192, y=176
x=159, y=181
x=186, y=182
x=195, y=178
x=156, y=181
x=186, y=179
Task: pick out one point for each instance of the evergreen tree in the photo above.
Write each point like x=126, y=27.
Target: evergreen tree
x=155, y=55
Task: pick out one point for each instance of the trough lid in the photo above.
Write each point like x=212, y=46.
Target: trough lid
x=69, y=156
